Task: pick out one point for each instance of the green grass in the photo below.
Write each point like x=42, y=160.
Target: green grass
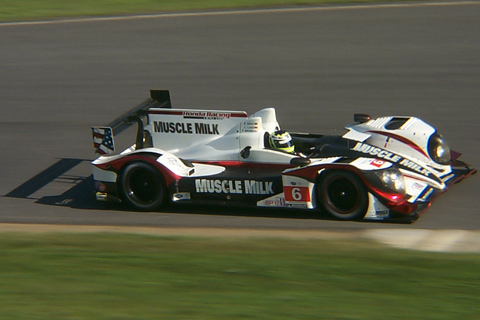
x=113, y=276
x=23, y=10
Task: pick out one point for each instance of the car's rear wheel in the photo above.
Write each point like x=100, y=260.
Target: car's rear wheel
x=142, y=186
x=343, y=195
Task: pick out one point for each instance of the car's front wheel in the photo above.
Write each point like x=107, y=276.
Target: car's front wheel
x=142, y=186
x=343, y=195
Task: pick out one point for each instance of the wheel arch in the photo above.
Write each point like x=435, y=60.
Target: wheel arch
x=358, y=182
x=146, y=156
x=153, y=164
x=158, y=179
x=348, y=168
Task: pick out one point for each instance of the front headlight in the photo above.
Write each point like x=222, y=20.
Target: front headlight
x=438, y=149
x=392, y=179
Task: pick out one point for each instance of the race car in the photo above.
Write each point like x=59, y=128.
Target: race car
x=379, y=169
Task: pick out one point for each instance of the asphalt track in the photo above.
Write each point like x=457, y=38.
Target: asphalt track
x=317, y=66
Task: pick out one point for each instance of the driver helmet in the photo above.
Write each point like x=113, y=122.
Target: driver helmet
x=282, y=141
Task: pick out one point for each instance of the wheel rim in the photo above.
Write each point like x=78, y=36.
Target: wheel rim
x=143, y=187
x=342, y=195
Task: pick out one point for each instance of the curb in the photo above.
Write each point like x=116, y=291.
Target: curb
x=428, y=240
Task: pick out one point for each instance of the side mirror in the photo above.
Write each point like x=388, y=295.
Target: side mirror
x=300, y=162
x=245, y=153
x=361, y=117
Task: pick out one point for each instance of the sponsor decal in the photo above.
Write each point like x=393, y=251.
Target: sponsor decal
x=296, y=205
x=179, y=196
x=174, y=162
x=374, y=151
x=185, y=127
x=389, y=156
x=206, y=115
x=382, y=213
x=274, y=202
x=301, y=194
x=414, y=166
x=206, y=128
x=418, y=186
x=99, y=186
x=233, y=186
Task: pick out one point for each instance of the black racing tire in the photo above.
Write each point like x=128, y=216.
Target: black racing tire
x=142, y=187
x=343, y=195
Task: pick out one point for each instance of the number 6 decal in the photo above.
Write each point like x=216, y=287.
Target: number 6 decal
x=296, y=194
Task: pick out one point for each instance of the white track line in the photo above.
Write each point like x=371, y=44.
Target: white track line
x=238, y=12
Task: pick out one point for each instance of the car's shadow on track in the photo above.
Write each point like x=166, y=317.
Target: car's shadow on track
x=81, y=196
x=278, y=213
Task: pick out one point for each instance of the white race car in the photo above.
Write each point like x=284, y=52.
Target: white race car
x=379, y=169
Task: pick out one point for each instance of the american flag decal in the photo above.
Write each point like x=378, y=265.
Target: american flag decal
x=103, y=140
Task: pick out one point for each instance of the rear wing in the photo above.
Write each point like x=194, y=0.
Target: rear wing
x=103, y=141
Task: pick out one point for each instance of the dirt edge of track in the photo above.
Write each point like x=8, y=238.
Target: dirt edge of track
x=417, y=239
